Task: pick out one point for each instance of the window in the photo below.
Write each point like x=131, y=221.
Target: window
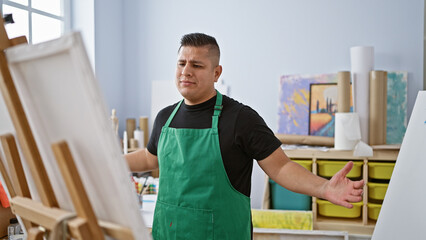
x=39, y=20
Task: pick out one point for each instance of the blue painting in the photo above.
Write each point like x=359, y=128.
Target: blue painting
x=396, y=122
x=294, y=100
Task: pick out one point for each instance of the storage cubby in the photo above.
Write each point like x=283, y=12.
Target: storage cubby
x=375, y=171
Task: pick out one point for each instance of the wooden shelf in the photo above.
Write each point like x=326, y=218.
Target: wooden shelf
x=361, y=225
x=353, y=226
x=379, y=155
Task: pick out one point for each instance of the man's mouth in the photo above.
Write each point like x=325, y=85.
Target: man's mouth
x=186, y=83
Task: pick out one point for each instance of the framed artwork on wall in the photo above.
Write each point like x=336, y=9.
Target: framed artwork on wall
x=322, y=109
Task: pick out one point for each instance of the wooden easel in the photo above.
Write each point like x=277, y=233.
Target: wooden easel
x=82, y=224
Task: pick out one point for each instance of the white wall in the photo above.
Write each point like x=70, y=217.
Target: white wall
x=83, y=20
x=137, y=41
x=109, y=54
x=260, y=41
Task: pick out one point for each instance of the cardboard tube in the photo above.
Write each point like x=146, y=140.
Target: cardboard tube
x=343, y=91
x=143, y=125
x=133, y=143
x=130, y=127
x=305, y=140
x=378, y=108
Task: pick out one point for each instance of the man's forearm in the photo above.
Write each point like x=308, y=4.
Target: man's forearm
x=339, y=189
x=298, y=179
x=291, y=175
x=141, y=160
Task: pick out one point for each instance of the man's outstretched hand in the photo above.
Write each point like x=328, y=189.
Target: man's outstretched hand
x=342, y=191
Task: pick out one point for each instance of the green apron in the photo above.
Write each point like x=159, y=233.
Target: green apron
x=196, y=199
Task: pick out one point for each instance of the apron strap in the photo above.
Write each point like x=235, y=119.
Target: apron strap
x=217, y=109
x=173, y=114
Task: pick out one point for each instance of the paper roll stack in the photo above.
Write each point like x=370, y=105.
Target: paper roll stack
x=297, y=139
x=362, y=62
x=344, y=119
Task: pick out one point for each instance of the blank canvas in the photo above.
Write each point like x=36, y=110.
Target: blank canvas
x=402, y=215
x=63, y=101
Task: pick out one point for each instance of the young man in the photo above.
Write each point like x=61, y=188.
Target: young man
x=205, y=146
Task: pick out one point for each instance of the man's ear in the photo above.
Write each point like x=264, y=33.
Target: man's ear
x=217, y=72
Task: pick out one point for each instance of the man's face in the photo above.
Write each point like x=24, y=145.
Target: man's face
x=196, y=73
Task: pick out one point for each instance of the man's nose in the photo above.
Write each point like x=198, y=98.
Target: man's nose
x=186, y=71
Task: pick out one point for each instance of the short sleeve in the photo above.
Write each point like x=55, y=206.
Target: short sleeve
x=159, y=122
x=253, y=136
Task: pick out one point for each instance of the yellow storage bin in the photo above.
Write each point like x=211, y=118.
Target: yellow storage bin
x=328, y=209
x=377, y=190
x=374, y=210
x=305, y=163
x=328, y=168
x=380, y=170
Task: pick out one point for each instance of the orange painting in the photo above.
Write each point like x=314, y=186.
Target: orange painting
x=322, y=109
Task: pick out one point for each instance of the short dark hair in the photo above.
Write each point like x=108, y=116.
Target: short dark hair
x=200, y=40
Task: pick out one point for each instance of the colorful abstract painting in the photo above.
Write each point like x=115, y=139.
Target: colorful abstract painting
x=396, y=122
x=294, y=101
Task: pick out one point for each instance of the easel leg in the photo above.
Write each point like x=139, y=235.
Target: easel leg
x=7, y=179
x=79, y=229
x=35, y=234
x=19, y=181
x=75, y=186
x=14, y=161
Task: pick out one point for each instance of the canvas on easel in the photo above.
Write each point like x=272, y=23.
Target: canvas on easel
x=402, y=215
x=62, y=101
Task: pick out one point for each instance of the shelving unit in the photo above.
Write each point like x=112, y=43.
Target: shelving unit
x=361, y=225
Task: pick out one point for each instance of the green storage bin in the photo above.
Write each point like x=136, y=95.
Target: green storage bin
x=284, y=199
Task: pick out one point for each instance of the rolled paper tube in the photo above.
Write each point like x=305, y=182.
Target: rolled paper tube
x=378, y=108
x=143, y=125
x=130, y=127
x=305, y=140
x=343, y=91
x=138, y=135
x=125, y=143
x=362, y=62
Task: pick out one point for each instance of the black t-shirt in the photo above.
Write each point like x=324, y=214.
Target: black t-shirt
x=243, y=135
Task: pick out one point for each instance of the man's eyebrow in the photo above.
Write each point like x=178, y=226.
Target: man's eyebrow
x=191, y=61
